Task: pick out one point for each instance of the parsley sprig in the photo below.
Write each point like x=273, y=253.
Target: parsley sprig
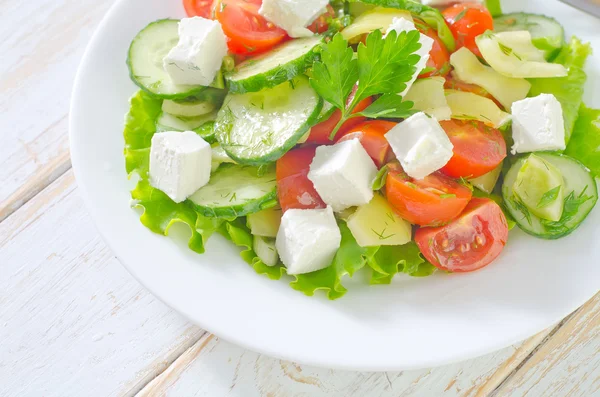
x=382, y=67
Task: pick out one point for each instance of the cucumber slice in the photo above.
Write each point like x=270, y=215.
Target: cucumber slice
x=145, y=61
x=539, y=186
x=265, y=223
x=375, y=19
x=258, y=128
x=486, y=183
x=546, y=32
x=187, y=108
x=275, y=67
x=201, y=125
x=579, y=189
x=235, y=191
x=219, y=157
x=377, y=224
x=266, y=250
x=507, y=61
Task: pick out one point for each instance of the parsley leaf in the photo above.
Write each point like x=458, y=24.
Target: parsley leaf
x=337, y=72
x=390, y=106
x=549, y=197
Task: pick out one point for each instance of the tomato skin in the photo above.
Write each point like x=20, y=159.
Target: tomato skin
x=478, y=148
x=294, y=189
x=199, y=8
x=321, y=24
x=319, y=134
x=469, y=243
x=439, y=57
x=432, y=201
x=467, y=21
x=371, y=135
x=248, y=31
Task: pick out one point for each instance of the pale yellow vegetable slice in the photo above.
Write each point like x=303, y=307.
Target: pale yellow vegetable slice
x=265, y=223
x=377, y=19
x=377, y=224
x=506, y=61
x=506, y=90
x=469, y=106
x=487, y=182
x=521, y=43
x=428, y=96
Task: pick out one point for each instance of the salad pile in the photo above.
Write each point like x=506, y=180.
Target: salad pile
x=326, y=137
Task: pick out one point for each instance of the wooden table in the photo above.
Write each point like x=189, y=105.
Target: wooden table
x=73, y=322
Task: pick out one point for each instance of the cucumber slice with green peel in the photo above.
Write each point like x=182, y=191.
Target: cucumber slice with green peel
x=580, y=194
x=145, y=61
x=265, y=223
x=201, y=125
x=187, y=108
x=275, y=67
x=235, y=191
x=546, y=32
x=259, y=128
x=266, y=250
x=539, y=186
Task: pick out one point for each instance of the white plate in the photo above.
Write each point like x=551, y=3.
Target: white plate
x=414, y=323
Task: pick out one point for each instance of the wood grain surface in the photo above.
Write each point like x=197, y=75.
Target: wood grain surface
x=73, y=322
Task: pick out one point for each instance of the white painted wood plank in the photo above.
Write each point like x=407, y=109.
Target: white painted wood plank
x=73, y=322
x=568, y=364
x=216, y=368
x=42, y=43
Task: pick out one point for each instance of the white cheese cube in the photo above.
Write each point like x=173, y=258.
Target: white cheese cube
x=198, y=56
x=180, y=163
x=421, y=145
x=293, y=16
x=343, y=174
x=404, y=25
x=538, y=124
x=308, y=240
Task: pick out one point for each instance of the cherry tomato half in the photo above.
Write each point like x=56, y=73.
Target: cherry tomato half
x=248, y=31
x=199, y=8
x=467, y=21
x=471, y=242
x=371, y=135
x=320, y=133
x=294, y=189
x=321, y=24
x=478, y=148
x=439, y=57
x=432, y=201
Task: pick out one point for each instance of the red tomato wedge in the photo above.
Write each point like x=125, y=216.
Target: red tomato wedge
x=371, y=135
x=439, y=57
x=294, y=188
x=321, y=24
x=248, y=31
x=199, y=8
x=471, y=242
x=467, y=21
x=478, y=148
x=432, y=201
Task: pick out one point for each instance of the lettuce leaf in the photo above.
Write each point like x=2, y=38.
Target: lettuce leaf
x=140, y=126
x=237, y=232
x=349, y=259
x=568, y=90
x=585, y=141
x=388, y=261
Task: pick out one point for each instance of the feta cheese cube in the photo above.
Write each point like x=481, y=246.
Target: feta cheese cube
x=198, y=56
x=343, y=174
x=404, y=25
x=421, y=145
x=308, y=240
x=293, y=15
x=180, y=163
x=538, y=124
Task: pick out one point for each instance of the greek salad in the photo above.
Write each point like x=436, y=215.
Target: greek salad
x=393, y=137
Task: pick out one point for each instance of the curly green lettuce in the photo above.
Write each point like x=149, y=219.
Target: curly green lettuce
x=568, y=90
x=389, y=261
